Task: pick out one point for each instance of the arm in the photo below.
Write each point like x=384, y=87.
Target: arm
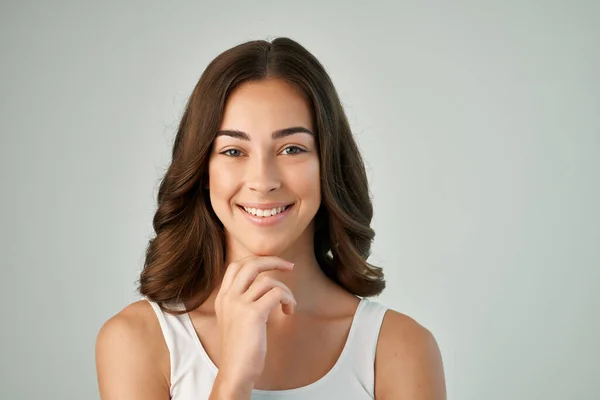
x=408, y=363
x=129, y=358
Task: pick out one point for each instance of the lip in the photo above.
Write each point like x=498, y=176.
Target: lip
x=264, y=206
x=266, y=221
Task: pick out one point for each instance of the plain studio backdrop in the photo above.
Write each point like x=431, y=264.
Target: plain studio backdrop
x=479, y=123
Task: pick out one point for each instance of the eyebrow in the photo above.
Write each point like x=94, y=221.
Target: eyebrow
x=278, y=134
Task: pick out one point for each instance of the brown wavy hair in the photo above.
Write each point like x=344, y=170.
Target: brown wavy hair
x=186, y=257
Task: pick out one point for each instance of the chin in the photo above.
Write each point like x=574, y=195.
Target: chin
x=265, y=250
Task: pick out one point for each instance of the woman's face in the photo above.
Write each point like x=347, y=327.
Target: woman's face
x=259, y=166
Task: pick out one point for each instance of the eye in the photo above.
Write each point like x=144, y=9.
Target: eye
x=293, y=150
x=231, y=153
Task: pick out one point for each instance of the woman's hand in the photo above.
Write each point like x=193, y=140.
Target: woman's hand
x=242, y=306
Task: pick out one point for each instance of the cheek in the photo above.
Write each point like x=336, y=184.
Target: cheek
x=221, y=183
x=308, y=182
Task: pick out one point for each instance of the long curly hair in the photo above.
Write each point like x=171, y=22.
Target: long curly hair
x=187, y=255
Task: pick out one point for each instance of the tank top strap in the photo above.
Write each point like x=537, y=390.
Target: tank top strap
x=364, y=343
x=181, y=340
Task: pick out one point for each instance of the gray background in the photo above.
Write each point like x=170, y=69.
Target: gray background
x=479, y=123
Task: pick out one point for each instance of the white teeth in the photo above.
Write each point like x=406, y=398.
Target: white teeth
x=264, y=213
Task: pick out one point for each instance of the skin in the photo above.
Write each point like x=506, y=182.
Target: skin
x=131, y=356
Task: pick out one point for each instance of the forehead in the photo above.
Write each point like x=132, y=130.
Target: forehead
x=259, y=107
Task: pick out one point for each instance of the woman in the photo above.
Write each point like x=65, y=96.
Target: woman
x=265, y=203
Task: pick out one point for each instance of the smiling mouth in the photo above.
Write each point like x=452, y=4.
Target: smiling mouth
x=265, y=213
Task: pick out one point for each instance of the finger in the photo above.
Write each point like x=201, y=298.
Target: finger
x=250, y=270
x=261, y=286
x=231, y=272
x=273, y=298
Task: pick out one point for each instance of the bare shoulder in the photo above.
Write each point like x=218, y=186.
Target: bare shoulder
x=408, y=363
x=132, y=359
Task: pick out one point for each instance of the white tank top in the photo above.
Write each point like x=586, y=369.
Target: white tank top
x=351, y=378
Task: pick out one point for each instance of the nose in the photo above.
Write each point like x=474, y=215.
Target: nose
x=262, y=175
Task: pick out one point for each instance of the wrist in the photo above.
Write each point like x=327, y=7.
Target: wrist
x=230, y=389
